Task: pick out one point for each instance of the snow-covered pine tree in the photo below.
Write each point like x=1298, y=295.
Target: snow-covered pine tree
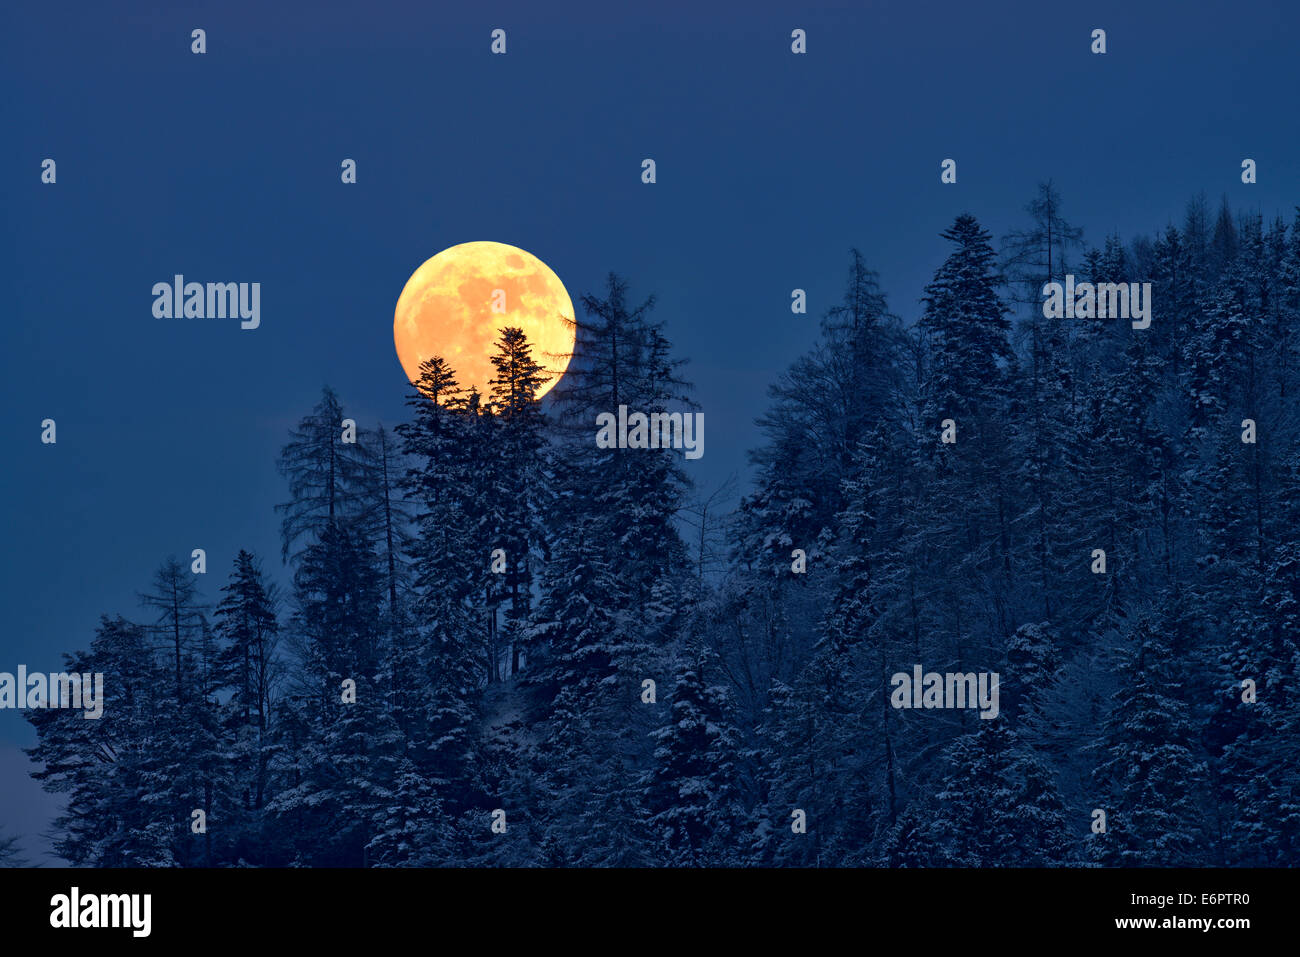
x=995, y=806
x=1151, y=774
x=820, y=409
x=438, y=695
x=115, y=815
x=187, y=768
x=1047, y=394
x=248, y=625
x=516, y=479
x=323, y=471
x=691, y=793
x=343, y=769
x=970, y=498
x=410, y=827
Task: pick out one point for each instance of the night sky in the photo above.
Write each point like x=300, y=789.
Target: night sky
x=225, y=167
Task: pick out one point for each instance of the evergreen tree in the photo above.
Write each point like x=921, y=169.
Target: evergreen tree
x=996, y=806
x=821, y=409
x=10, y=853
x=1152, y=778
x=516, y=476
x=248, y=625
x=691, y=794
x=108, y=768
x=183, y=772
x=1033, y=258
x=966, y=326
x=345, y=751
x=411, y=829
x=323, y=471
x=180, y=615
x=438, y=694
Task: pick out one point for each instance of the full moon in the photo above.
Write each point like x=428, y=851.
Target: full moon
x=456, y=304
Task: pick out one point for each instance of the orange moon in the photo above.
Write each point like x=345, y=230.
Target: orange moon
x=456, y=304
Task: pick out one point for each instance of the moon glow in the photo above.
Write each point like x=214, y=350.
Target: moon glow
x=452, y=306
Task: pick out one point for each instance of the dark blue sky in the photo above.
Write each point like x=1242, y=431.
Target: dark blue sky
x=770, y=166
